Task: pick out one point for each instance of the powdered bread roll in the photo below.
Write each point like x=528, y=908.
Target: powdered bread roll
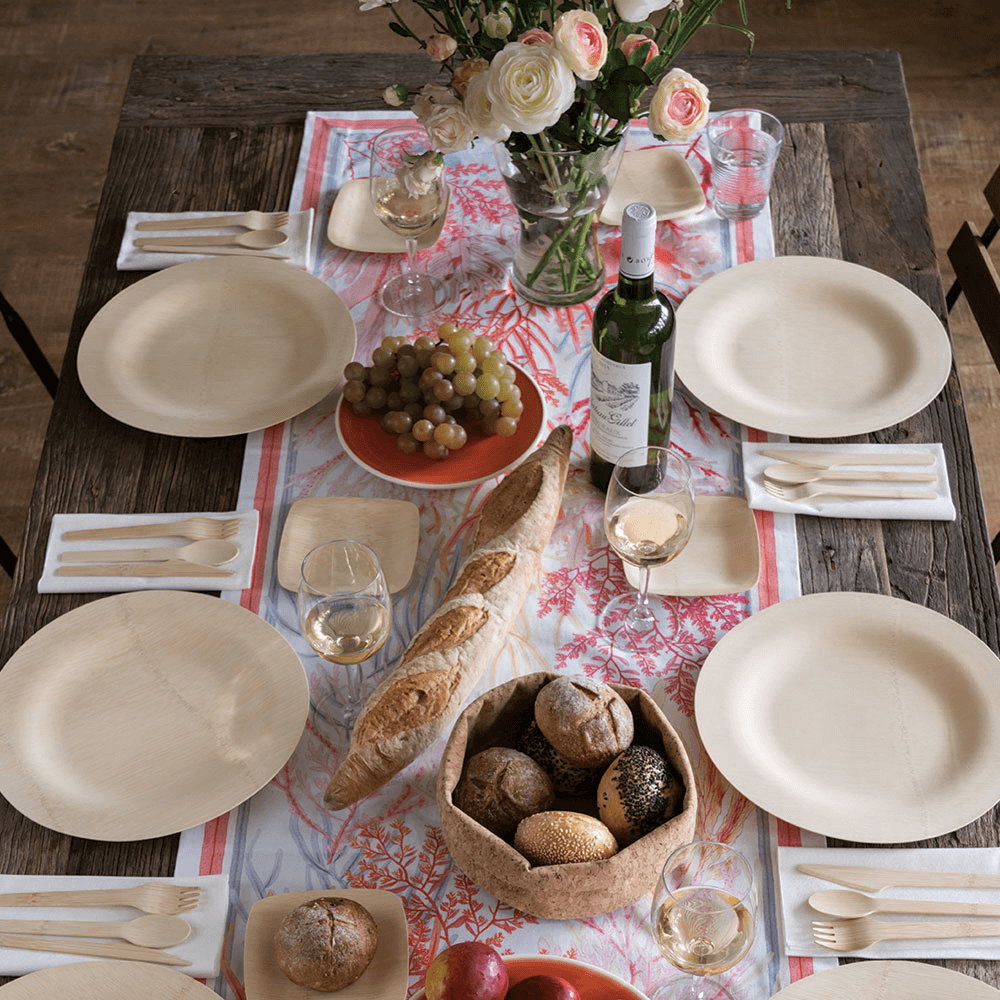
x=559, y=838
x=500, y=786
x=586, y=720
x=326, y=944
x=420, y=699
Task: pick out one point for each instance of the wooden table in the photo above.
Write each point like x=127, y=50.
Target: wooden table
x=224, y=133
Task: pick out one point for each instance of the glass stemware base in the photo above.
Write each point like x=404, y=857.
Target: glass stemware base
x=414, y=293
x=626, y=620
x=692, y=988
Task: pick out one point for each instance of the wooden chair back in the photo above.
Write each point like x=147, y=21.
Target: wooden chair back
x=976, y=277
x=43, y=369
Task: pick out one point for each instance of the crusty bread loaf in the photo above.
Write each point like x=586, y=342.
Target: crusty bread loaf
x=326, y=944
x=420, y=699
x=586, y=720
x=500, y=786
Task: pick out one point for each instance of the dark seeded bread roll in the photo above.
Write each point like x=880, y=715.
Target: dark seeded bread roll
x=586, y=720
x=638, y=792
x=499, y=787
x=326, y=944
x=566, y=779
x=420, y=699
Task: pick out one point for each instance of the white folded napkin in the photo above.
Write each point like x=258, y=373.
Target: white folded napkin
x=203, y=949
x=49, y=583
x=298, y=249
x=940, y=509
x=796, y=888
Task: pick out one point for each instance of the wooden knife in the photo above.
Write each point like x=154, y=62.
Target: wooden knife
x=877, y=879
x=169, y=567
x=102, y=949
x=829, y=459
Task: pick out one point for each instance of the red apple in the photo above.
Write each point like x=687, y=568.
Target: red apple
x=543, y=988
x=469, y=970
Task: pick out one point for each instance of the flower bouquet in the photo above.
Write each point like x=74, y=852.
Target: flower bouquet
x=554, y=86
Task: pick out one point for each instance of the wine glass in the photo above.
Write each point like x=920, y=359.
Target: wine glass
x=648, y=517
x=409, y=195
x=345, y=614
x=704, y=917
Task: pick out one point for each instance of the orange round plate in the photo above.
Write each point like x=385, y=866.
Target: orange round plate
x=482, y=457
x=591, y=983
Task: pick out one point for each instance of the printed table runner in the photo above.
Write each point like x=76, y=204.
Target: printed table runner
x=283, y=839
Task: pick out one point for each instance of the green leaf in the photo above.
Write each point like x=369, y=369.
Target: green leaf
x=615, y=100
x=400, y=30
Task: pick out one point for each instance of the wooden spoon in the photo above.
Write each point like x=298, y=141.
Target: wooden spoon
x=150, y=930
x=792, y=475
x=256, y=239
x=849, y=904
x=209, y=552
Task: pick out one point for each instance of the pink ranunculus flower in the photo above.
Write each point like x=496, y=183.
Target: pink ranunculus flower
x=679, y=108
x=580, y=40
x=449, y=129
x=530, y=87
x=633, y=42
x=479, y=110
x=440, y=47
x=535, y=36
x=465, y=72
x=395, y=95
x=430, y=97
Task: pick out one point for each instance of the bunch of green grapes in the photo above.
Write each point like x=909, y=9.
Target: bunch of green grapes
x=425, y=392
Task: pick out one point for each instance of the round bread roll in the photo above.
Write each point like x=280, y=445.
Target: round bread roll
x=500, y=786
x=586, y=720
x=566, y=779
x=559, y=838
x=638, y=792
x=326, y=944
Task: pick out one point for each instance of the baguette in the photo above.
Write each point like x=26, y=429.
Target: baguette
x=423, y=695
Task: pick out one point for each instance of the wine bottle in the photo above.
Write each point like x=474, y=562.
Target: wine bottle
x=632, y=353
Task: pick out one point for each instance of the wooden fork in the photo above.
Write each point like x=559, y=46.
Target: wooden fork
x=194, y=527
x=862, y=932
x=248, y=220
x=793, y=494
x=150, y=897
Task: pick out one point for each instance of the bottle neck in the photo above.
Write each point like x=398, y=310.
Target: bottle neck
x=636, y=288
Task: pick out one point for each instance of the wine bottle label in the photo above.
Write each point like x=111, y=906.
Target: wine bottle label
x=619, y=406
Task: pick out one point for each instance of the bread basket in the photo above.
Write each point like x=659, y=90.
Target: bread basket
x=557, y=891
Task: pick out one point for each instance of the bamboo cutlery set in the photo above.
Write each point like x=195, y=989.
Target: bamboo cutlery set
x=802, y=475
x=263, y=233
x=142, y=938
x=206, y=555
x=857, y=927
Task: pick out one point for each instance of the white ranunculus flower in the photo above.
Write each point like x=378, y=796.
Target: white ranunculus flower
x=449, y=129
x=530, y=87
x=479, y=109
x=639, y=10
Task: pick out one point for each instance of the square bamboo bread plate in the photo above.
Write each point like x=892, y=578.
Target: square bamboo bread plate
x=390, y=527
x=385, y=978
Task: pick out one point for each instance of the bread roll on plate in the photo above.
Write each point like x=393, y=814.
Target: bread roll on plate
x=420, y=699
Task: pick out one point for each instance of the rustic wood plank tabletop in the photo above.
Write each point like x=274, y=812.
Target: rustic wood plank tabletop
x=224, y=133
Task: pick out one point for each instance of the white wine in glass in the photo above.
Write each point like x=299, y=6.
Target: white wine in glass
x=409, y=195
x=648, y=518
x=345, y=613
x=703, y=917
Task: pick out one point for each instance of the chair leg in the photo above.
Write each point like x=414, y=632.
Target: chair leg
x=7, y=558
x=20, y=332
